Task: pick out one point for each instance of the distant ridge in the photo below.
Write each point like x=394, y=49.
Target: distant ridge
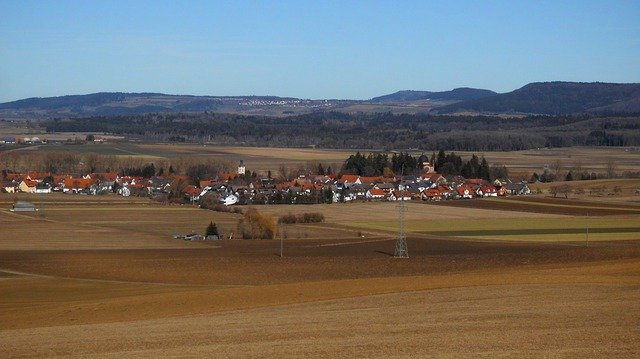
x=557, y=98
x=458, y=94
x=548, y=98
x=120, y=103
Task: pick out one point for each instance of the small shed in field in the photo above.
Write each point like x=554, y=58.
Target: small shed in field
x=22, y=206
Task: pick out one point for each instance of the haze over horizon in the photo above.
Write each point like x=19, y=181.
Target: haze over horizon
x=342, y=50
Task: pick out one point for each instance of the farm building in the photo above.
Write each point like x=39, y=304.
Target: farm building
x=22, y=206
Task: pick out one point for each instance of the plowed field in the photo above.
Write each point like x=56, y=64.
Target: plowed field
x=107, y=279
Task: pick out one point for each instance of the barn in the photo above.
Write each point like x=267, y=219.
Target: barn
x=22, y=206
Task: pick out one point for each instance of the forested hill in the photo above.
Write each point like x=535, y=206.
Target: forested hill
x=557, y=98
x=459, y=94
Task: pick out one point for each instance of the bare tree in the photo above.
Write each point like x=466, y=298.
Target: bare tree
x=611, y=168
x=283, y=172
x=565, y=189
x=557, y=168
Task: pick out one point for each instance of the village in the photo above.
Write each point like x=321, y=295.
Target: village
x=238, y=188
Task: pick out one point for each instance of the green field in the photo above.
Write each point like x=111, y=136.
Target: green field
x=564, y=228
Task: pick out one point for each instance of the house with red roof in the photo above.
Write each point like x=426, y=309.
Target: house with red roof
x=37, y=176
x=371, y=180
x=28, y=186
x=207, y=183
x=77, y=185
x=435, y=178
x=465, y=192
x=348, y=180
x=192, y=193
x=400, y=196
x=375, y=193
x=487, y=191
x=437, y=193
x=105, y=176
x=9, y=187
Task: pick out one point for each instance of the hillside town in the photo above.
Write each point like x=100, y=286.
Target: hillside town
x=239, y=188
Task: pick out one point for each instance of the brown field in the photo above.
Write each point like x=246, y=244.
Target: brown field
x=589, y=158
x=263, y=159
x=103, y=276
x=518, y=162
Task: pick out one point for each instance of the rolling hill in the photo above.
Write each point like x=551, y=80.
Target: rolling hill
x=459, y=94
x=119, y=103
x=550, y=98
x=557, y=98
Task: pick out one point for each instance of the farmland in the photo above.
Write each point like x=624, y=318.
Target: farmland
x=102, y=275
x=263, y=159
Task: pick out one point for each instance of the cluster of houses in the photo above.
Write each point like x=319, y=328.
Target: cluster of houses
x=235, y=188
x=428, y=187
x=94, y=183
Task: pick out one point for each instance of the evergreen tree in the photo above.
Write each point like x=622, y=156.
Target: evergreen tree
x=148, y=170
x=212, y=229
x=440, y=160
x=534, y=178
x=569, y=176
x=484, y=171
x=474, y=162
x=467, y=170
x=328, y=195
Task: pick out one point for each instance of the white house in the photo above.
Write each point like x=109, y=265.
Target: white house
x=229, y=200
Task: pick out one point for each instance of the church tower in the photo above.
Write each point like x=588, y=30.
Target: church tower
x=241, y=168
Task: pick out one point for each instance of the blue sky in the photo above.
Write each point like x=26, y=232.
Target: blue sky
x=311, y=49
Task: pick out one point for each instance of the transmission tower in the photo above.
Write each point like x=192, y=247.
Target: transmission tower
x=401, y=242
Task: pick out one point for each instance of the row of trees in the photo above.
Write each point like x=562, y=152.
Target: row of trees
x=379, y=164
x=67, y=162
x=256, y=225
x=452, y=164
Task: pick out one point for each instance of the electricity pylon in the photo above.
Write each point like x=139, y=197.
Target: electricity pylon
x=401, y=242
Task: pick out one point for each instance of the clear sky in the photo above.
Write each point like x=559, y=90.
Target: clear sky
x=311, y=49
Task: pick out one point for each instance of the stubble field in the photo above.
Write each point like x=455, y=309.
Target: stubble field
x=103, y=276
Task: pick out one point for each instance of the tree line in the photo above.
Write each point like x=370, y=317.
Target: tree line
x=368, y=131
x=379, y=164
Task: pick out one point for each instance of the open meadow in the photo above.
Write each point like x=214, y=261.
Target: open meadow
x=103, y=275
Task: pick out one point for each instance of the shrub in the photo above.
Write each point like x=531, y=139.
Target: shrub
x=302, y=218
x=255, y=225
x=210, y=202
